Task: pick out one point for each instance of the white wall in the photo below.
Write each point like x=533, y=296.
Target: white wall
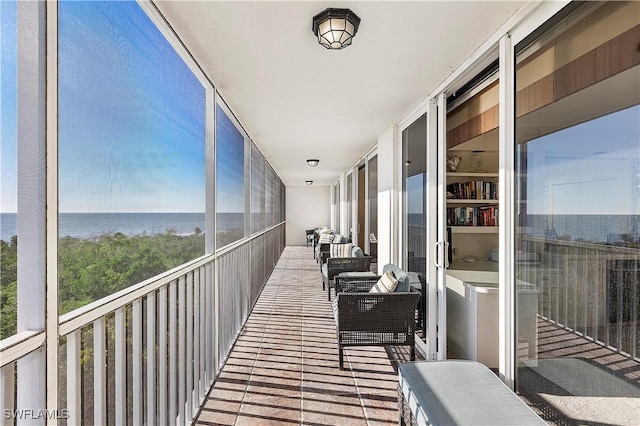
x=387, y=198
x=308, y=207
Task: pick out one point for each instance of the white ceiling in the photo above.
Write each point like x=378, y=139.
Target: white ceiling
x=298, y=100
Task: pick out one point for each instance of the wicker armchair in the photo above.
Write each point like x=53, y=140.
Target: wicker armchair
x=322, y=253
x=337, y=265
x=373, y=319
x=309, y=236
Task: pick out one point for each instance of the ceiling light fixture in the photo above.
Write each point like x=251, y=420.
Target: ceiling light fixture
x=335, y=28
x=312, y=162
x=308, y=182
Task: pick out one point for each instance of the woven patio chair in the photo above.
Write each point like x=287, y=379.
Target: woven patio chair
x=338, y=265
x=309, y=236
x=373, y=319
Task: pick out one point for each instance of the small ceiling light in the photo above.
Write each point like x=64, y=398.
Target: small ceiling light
x=308, y=182
x=335, y=28
x=313, y=162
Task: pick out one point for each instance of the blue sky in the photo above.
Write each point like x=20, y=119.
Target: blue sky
x=415, y=193
x=229, y=165
x=131, y=114
x=8, y=183
x=131, y=118
x=591, y=168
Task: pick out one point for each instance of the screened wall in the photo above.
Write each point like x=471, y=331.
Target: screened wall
x=230, y=180
x=126, y=316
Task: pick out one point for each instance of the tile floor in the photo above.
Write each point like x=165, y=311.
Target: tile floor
x=283, y=368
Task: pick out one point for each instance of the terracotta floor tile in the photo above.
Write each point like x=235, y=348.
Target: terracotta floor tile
x=215, y=417
x=377, y=416
x=333, y=409
x=283, y=368
x=269, y=411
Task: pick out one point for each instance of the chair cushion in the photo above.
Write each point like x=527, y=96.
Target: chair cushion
x=334, y=305
x=337, y=238
x=401, y=276
x=325, y=230
x=357, y=252
x=386, y=284
x=340, y=250
x=325, y=238
x=325, y=270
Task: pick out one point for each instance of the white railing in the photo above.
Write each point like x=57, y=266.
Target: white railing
x=588, y=289
x=416, y=240
x=149, y=353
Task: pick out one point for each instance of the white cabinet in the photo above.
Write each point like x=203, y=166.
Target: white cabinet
x=472, y=315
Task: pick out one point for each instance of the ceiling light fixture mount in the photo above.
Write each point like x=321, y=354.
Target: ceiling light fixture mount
x=313, y=162
x=308, y=182
x=335, y=28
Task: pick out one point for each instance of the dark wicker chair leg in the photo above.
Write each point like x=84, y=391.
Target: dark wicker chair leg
x=340, y=357
x=413, y=352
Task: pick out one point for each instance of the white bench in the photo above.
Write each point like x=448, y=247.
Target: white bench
x=458, y=393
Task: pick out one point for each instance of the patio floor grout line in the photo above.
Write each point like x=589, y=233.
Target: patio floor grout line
x=292, y=292
x=253, y=366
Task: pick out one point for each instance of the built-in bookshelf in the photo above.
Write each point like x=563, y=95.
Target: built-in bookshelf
x=472, y=198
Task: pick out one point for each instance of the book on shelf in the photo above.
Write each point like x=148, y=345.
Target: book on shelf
x=472, y=216
x=475, y=190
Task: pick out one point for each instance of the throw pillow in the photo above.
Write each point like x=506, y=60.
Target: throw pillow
x=340, y=250
x=357, y=252
x=325, y=238
x=401, y=276
x=386, y=284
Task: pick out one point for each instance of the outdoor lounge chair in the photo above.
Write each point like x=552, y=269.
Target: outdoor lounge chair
x=374, y=319
x=324, y=239
x=337, y=265
x=309, y=235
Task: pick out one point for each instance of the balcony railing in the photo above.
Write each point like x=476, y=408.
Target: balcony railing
x=149, y=353
x=591, y=290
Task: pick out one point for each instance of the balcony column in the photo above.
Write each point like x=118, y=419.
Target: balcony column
x=388, y=205
x=31, y=382
x=507, y=290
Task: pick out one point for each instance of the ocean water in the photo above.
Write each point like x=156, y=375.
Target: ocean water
x=595, y=228
x=86, y=225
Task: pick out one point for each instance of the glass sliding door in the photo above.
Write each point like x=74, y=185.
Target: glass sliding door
x=349, y=204
x=578, y=217
x=336, y=207
x=372, y=176
x=361, y=210
x=414, y=188
x=472, y=206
